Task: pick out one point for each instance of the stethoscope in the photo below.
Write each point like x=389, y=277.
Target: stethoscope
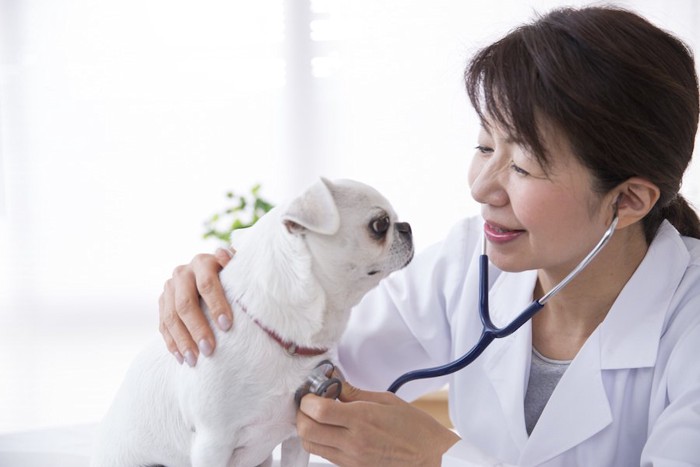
x=326, y=379
x=489, y=330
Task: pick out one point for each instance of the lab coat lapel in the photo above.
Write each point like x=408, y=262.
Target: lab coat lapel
x=577, y=409
x=506, y=361
x=579, y=406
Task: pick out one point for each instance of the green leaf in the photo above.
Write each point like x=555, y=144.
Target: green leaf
x=243, y=212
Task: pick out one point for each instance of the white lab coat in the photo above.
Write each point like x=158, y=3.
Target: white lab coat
x=630, y=397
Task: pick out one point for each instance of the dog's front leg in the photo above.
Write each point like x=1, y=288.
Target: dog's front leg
x=293, y=453
x=210, y=450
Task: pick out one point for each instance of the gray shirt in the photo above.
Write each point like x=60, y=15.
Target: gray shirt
x=545, y=373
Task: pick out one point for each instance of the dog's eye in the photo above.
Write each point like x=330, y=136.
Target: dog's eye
x=381, y=225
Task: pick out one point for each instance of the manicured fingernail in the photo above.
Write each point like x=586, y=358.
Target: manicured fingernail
x=226, y=251
x=205, y=347
x=178, y=357
x=190, y=358
x=224, y=322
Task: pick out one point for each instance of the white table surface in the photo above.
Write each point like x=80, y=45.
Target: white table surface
x=68, y=446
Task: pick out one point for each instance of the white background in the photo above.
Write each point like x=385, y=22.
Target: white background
x=124, y=123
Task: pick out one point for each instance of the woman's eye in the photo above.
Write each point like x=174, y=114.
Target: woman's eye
x=518, y=170
x=381, y=225
x=484, y=149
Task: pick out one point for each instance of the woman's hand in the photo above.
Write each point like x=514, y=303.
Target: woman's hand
x=183, y=325
x=371, y=428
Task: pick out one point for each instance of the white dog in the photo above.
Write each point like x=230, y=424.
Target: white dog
x=296, y=274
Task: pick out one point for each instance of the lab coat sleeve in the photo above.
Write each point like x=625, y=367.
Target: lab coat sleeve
x=404, y=323
x=674, y=437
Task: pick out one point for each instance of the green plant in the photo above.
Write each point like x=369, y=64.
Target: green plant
x=244, y=211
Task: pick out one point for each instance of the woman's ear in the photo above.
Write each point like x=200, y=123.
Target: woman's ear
x=635, y=198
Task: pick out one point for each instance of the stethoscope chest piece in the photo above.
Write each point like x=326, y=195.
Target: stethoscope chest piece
x=321, y=382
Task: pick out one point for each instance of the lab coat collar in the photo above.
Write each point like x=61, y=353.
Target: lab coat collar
x=579, y=407
x=630, y=333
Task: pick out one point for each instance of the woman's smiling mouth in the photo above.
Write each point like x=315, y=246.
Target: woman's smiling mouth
x=498, y=234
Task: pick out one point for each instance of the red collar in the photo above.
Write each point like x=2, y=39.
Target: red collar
x=291, y=348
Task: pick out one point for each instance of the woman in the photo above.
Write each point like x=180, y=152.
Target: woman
x=586, y=114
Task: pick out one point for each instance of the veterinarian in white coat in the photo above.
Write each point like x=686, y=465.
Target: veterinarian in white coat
x=586, y=114
x=611, y=404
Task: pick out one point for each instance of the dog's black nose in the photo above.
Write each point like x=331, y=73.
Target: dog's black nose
x=404, y=228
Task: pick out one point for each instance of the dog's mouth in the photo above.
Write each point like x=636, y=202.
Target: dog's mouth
x=374, y=272
x=410, y=258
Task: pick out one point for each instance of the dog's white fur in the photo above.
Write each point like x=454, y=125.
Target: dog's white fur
x=297, y=271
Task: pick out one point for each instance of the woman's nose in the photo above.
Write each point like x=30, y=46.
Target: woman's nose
x=486, y=179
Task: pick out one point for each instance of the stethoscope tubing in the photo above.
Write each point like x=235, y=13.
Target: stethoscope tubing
x=489, y=333
x=489, y=330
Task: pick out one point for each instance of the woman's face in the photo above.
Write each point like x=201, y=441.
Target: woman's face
x=535, y=219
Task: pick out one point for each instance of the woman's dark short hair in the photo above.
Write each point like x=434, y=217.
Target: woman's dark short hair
x=623, y=91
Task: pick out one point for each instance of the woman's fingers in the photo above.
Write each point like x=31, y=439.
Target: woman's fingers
x=184, y=326
x=316, y=441
x=224, y=255
x=165, y=332
x=342, y=430
x=371, y=428
x=206, y=270
x=177, y=335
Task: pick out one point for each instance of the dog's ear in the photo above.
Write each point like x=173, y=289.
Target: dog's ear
x=314, y=210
